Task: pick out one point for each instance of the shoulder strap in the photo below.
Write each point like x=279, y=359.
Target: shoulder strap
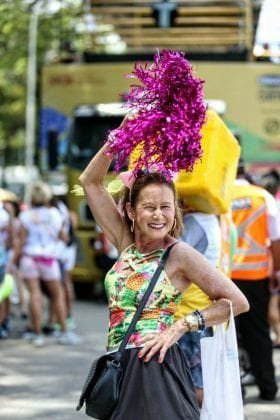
x=144, y=301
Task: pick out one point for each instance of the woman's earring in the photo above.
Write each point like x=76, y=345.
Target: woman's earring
x=132, y=226
x=173, y=227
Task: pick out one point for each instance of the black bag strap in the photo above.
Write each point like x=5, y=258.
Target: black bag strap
x=143, y=302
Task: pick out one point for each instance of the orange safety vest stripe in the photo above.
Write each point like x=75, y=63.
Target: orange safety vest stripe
x=251, y=260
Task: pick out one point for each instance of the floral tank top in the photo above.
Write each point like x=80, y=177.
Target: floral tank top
x=125, y=285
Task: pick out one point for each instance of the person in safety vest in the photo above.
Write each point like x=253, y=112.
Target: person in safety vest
x=256, y=216
x=271, y=182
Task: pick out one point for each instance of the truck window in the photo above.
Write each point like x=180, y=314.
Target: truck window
x=87, y=135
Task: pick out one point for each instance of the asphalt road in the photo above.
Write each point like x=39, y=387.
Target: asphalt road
x=44, y=383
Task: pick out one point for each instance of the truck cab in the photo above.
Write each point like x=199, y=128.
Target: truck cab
x=89, y=127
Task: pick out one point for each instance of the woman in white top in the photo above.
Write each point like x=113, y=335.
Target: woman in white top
x=41, y=228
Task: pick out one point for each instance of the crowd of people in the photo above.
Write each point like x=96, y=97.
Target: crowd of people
x=37, y=251
x=37, y=246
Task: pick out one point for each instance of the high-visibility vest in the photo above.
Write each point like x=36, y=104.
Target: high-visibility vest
x=249, y=214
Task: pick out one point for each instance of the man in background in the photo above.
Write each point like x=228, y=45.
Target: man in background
x=202, y=232
x=256, y=216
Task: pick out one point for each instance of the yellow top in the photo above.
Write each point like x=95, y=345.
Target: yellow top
x=193, y=298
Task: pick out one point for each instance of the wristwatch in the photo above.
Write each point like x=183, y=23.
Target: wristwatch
x=192, y=322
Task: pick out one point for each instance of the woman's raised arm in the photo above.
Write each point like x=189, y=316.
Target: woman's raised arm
x=99, y=200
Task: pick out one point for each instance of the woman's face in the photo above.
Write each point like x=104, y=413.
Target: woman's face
x=154, y=211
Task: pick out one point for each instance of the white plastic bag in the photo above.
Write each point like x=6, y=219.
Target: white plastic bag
x=221, y=377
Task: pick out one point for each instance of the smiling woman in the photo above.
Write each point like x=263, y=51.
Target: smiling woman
x=156, y=381
x=156, y=384
x=155, y=201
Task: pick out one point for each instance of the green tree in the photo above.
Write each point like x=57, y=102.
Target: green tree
x=53, y=29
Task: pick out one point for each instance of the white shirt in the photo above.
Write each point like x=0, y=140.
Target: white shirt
x=43, y=226
x=202, y=231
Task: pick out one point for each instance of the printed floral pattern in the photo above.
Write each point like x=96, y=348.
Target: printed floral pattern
x=125, y=286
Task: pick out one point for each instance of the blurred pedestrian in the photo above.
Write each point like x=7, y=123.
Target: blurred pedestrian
x=256, y=217
x=5, y=240
x=67, y=253
x=41, y=227
x=271, y=182
x=19, y=294
x=201, y=231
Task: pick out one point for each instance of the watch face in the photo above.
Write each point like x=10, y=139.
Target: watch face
x=192, y=322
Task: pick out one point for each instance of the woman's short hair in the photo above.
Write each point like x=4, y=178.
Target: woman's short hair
x=40, y=194
x=131, y=196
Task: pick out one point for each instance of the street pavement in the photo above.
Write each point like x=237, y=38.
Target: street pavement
x=45, y=383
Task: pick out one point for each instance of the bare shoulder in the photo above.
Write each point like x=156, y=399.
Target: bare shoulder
x=186, y=265
x=177, y=265
x=189, y=266
x=183, y=253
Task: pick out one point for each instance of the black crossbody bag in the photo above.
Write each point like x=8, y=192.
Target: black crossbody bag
x=102, y=387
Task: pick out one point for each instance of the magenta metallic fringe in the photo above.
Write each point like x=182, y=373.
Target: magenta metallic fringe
x=169, y=115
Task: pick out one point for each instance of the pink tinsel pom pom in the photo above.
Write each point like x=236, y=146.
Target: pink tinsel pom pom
x=169, y=115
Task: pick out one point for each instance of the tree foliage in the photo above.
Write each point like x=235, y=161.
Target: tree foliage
x=53, y=28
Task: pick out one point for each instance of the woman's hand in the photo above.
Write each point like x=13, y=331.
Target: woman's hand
x=127, y=117
x=160, y=343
